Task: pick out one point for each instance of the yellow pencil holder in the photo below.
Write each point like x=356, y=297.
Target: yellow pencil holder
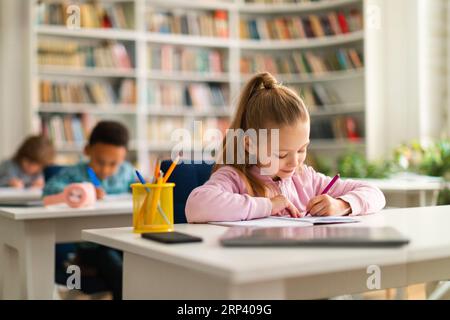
x=152, y=207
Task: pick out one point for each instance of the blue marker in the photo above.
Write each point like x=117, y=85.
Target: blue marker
x=93, y=178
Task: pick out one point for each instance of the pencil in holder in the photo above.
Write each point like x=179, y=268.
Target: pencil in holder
x=152, y=207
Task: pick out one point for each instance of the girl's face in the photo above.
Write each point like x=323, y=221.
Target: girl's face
x=291, y=151
x=30, y=167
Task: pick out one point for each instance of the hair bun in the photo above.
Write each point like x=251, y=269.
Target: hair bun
x=267, y=80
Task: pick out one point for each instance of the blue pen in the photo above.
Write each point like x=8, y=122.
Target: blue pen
x=141, y=179
x=160, y=210
x=95, y=181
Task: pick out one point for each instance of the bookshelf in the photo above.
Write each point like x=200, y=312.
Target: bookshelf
x=153, y=95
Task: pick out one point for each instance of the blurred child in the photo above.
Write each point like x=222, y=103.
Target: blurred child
x=24, y=170
x=106, y=152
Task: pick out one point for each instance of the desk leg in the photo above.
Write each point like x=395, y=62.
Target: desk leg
x=30, y=263
x=2, y=266
x=146, y=278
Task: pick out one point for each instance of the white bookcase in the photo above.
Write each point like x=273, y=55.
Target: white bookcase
x=351, y=84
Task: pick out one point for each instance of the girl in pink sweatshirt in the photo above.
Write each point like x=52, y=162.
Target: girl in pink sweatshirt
x=256, y=178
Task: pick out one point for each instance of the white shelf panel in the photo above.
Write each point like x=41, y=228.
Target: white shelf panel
x=254, y=8
x=310, y=78
x=87, y=72
x=188, y=40
x=86, y=108
x=188, y=112
x=188, y=76
x=95, y=33
x=301, y=43
x=196, y=4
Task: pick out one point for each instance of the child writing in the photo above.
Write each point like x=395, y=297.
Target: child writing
x=244, y=191
x=106, y=151
x=24, y=170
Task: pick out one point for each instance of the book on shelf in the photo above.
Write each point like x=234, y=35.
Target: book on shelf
x=73, y=92
x=160, y=130
x=317, y=97
x=303, y=62
x=119, y=15
x=169, y=58
x=65, y=129
x=187, y=22
x=301, y=27
x=68, y=129
x=111, y=54
x=197, y=95
x=339, y=127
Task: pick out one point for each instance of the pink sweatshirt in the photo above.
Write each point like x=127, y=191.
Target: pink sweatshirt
x=224, y=196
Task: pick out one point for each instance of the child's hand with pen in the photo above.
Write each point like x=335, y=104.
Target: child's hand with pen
x=325, y=205
x=100, y=192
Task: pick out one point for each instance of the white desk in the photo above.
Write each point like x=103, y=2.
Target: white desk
x=409, y=190
x=208, y=271
x=12, y=194
x=28, y=237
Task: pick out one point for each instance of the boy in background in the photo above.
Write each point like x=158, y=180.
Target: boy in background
x=106, y=151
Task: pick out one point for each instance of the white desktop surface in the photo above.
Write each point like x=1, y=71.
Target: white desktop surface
x=426, y=258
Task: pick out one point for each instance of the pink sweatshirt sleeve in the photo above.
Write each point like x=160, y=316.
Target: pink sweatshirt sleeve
x=223, y=198
x=362, y=197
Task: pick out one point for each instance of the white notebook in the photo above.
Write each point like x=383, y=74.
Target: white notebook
x=275, y=221
x=321, y=220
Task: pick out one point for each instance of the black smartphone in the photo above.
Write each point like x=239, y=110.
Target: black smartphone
x=171, y=237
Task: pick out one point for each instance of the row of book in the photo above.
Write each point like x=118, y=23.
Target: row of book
x=296, y=27
x=66, y=129
x=206, y=23
x=87, y=15
x=170, y=58
x=307, y=62
x=197, y=95
x=341, y=127
x=161, y=130
x=75, y=54
x=59, y=92
x=317, y=96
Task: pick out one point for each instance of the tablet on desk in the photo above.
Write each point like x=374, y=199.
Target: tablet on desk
x=319, y=236
x=23, y=203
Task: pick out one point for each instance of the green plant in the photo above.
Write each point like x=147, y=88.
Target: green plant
x=432, y=159
x=355, y=165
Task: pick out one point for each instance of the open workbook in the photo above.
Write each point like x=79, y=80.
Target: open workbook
x=285, y=221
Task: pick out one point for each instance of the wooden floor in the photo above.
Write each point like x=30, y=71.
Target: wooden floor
x=415, y=292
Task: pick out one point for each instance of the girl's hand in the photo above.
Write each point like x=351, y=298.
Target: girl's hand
x=280, y=204
x=16, y=183
x=324, y=205
x=100, y=193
